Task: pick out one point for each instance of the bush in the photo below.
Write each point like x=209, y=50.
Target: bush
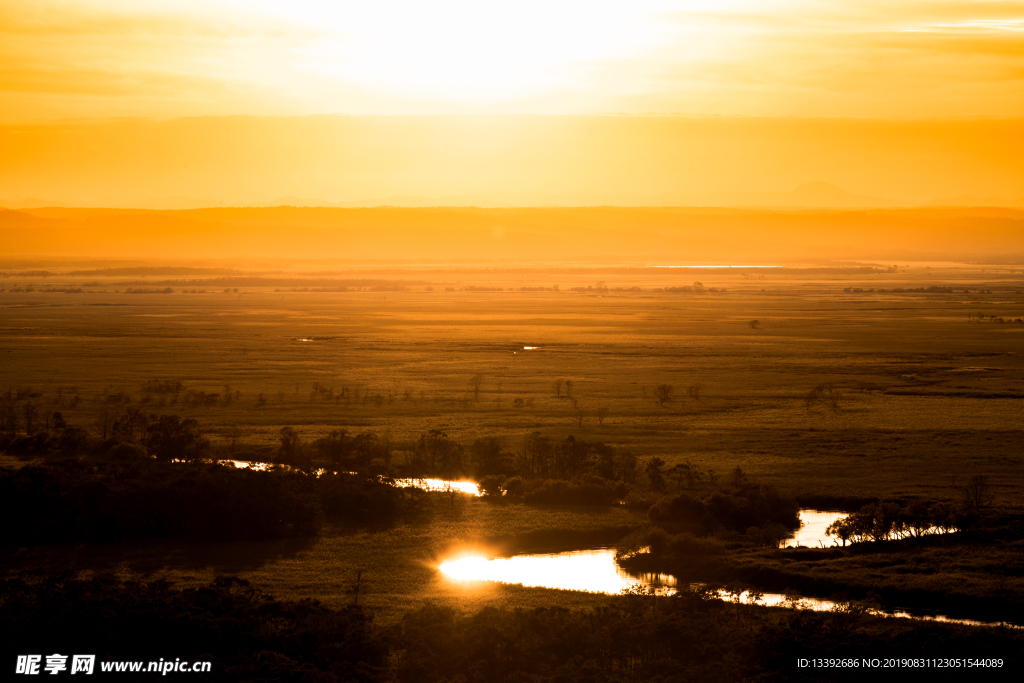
x=737, y=509
x=491, y=485
x=359, y=499
x=513, y=487
x=584, y=491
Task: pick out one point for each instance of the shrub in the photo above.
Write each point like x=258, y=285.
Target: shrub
x=513, y=487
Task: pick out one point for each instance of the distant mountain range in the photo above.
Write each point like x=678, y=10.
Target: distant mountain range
x=814, y=195
x=526, y=235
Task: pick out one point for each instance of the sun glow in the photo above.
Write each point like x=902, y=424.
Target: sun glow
x=181, y=57
x=591, y=570
x=458, y=50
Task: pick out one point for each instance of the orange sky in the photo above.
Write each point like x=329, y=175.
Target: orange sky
x=508, y=160
x=166, y=58
x=908, y=101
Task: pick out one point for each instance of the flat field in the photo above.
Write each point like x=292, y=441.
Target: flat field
x=929, y=387
x=927, y=391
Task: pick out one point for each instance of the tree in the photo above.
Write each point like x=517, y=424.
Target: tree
x=977, y=493
x=71, y=441
x=475, y=381
x=832, y=398
x=131, y=425
x=558, y=386
x=663, y=393
x=579, y=415
x=601, y=414
x=30, y=416
x=439, y=454
x=105, y=421
x=387, y=440
x=687, y=471
x=8, y=421
x=568, y=388
x=754, y=324
x=292, y=451
x=489, y=458
x=655, y=470
x=234, y=435
x=695, y=390
x=334, y=448
x=514, y=487
x=843, y=529
x=491, y=485
x=171, y=438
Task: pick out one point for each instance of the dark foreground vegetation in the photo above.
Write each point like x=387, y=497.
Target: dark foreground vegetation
x=249, y=636
x=81, y=501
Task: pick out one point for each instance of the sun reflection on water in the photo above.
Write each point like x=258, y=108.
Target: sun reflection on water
x=468, y=487
x=589, y=570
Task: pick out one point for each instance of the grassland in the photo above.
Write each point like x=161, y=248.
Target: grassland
x=928, y=393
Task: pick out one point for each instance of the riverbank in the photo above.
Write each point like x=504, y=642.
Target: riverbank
x=975, y=575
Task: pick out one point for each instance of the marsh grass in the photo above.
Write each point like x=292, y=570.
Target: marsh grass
x=929, y=398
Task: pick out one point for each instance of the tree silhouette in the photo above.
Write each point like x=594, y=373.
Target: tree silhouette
x=977, y=493
x=30, y=416
x=694, y=390
x=663, y=393
x=475, y=381
x=655, y=470
x=170, y=438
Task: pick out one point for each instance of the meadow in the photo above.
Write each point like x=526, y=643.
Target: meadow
x=825, y=392
x=927, y=385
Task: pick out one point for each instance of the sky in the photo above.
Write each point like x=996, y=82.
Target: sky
x=104, y=62
x=168, y=58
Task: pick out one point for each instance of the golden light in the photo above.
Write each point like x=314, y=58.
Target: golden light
x=462, y=50
x=592, y=570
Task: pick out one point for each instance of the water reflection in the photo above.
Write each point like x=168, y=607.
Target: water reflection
x=595, y=571
x=812, y=529
x=245, y=464
x=468, y=487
